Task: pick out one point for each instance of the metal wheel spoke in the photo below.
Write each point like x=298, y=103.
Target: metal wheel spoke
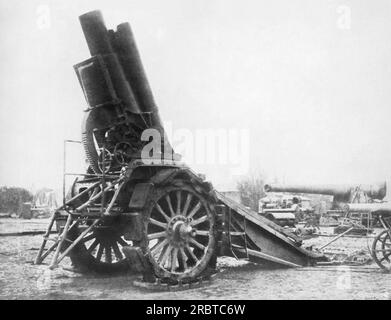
x=197, y=244
x=174, y=259
x=159, y=208
x=178, y=204
x=121, y=241
x=187, y=204
x=157, y=235
x=193, y=256
x=183, y=258
x=117, y=251
x=165, y=256
x=161, y=254
x=88, y=238
x=179, y=232
x=158, y=223
x=100, y=252
x=159, y=246
x=195, y=210
x=200, y=220
x=108, y=254
x=170, y=205
x=93, y=246
x=202, y=233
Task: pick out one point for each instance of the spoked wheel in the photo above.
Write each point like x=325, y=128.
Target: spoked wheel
x=381, y=250
x=180, y=239
x=100, y=250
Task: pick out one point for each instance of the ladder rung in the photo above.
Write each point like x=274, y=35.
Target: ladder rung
x=236, y=233
x=98, y=208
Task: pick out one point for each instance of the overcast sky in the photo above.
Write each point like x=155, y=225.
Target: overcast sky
x=309, y=80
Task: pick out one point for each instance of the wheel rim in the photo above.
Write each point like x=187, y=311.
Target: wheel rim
x=382, y=250
x=180, y=239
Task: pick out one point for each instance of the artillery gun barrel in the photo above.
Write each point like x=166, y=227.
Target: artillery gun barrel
x=99, y=43
x=368, y=207
x=126, y=48
x=95, y=32
x=119, y=50
x=116, y=88
x=340, y=192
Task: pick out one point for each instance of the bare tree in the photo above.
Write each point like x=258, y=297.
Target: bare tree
x=12, y=198
x=251, y=190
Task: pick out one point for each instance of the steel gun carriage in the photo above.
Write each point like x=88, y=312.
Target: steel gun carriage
x=381, y=246
x=341, y=194
x=356, y=199
x=147, y=211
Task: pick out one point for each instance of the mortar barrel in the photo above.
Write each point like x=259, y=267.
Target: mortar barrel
x=129, y=56
x=121, y=86
x=125, y=46
x=95, y=32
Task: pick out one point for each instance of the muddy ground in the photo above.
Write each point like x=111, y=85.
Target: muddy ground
x=20, y=279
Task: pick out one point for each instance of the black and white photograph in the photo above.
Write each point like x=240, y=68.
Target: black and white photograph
x=210, y=151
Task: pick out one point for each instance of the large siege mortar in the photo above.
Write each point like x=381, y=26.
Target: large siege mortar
x=154, y=216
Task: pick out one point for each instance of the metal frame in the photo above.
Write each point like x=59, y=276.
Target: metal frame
x=73, y=218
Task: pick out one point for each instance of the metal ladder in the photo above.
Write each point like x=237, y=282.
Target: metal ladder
x=73, y=216
x=72, y=220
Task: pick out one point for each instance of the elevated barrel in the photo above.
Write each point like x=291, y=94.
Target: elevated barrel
x=125, y=46
x=126, y=49
x=102, y=77
x=95, y=32
x=127, y=78
x=120, y=100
